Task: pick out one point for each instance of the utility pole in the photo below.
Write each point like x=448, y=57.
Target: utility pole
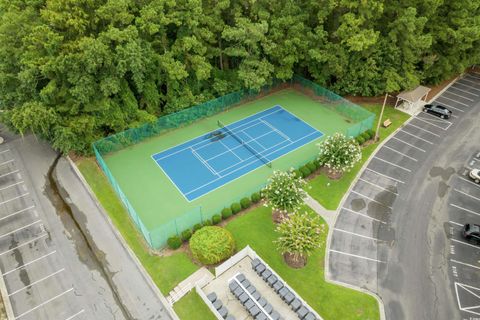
x=380, y=118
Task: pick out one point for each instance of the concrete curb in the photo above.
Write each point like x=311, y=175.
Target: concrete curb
x=6, y=301
x=140, y=267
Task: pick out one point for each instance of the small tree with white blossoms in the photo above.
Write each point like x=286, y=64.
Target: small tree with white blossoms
x=284, y=193
x=300, y=235
x=339, y=154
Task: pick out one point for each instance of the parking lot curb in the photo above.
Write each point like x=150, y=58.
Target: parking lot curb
x=445, y=88
x=330, y=230
x=6, y=301
x=120, y=238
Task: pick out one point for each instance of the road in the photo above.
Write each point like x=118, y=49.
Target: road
x=393, y=235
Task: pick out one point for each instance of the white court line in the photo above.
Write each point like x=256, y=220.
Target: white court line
x=17, y=212
x=465, y=264
x=363, y=215
x=6, y=174
x=384, y=175
x=254, y=140
x=12, y=185
x=458, y=95
x=466, y=85
x=4, y=151
x=466, y=105
x=392, y=164
x=29, y=263
x=465, y=243
x=432, y=124
x=452, y=107
x=24, y=244
x=376, y=185
x=205, y=163
x=355, y=255
x=76, y=314
x=37, y=281
x=276, y=130
x=471, y=182
x=410, y=124
x=415, y=136
x=15, y=198
x=409, y=144
x=356, y=234
x=465, y=209
x=6, y=162
x=456, y=223
x=371, y=199
x=18, y=229
x=465, y=91
x=43, y=303
x=468, y=195
x=400, y=153
x=228, y=151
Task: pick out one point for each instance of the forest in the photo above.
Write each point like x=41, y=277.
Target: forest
x=73, y=71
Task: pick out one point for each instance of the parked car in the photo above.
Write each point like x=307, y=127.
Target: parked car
x=437, y=110
x=475, y=175
x=471, y=231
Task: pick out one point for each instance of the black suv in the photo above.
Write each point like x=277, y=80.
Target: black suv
x=471, y=231
x=437, y=110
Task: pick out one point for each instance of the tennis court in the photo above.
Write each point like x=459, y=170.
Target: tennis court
x=216, y=158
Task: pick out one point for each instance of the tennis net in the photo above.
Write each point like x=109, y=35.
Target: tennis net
x=245, y=144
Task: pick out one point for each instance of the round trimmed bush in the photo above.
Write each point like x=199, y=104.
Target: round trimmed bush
x=197, y=226
x=371, y=133
x=186, y=234
x=305, y=171
x=216, y=219
x=207, y=222
x=311, y=166
x=297, y=173
x=365, y=136
x=211, y=245
x=360, y=140
x=226, y=213
x=245, y=203
x=236, y=207
x=174, y=242
x=256, y=197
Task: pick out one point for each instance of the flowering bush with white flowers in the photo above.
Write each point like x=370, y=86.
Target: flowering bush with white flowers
x=284, y=191
x=339, y=153
x=299, y=236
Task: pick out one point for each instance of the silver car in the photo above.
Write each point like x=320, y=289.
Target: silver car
x=475, y=175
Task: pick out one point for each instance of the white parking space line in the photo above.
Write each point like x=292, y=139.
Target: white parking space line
x=392, y=164
x=6, y=174
x=458, y=95
x=400, y=153
x=15, y=198
x=428, y=121
x=37, y=281
x=409, y=144
x=7, y=162
x=18, y=229
x=17, y=212
x=456, y=223
x=44, y=303
x=465, y=91
x=6, y=150
x=371, y=199
x=468, y=80
x=471, y=182
x=30, y=262
x=452, y=107
x=12, y=185
x=376, y=185
x=423, y=129
x=465, y=243
x=356, y=234
x=473, y=76
x=363, y=215
x=355, y=255
x=443, y=97
x=466, y=85
x=468, y=195
x=415, y=136
x=24, y=244
x=432, y=118
x=465, y=209
x=465, y=264
x=384, y=175
x=76, y=314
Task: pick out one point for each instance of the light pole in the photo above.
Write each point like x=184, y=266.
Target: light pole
x=380, y=118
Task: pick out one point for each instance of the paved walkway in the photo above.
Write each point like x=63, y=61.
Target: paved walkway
x=200, y=277
x=327, y=215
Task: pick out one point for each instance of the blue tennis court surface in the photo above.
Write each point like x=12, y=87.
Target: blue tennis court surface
x=206, y=163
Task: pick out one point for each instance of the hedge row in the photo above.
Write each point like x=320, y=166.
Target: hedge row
x=176, y=241
x=365, y=136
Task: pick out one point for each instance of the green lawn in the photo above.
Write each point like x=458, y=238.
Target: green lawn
x=166, y=272
x=191, y=304
x=331, y=301
x=328, y=192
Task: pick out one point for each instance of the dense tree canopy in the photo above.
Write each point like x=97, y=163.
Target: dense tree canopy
x=75, y=70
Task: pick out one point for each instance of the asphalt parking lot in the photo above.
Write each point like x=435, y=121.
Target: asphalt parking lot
x=370, y=237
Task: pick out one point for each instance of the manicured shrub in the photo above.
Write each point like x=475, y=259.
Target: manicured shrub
x=186, y=234
x=245, y=203
x=305, y=171
x=371, y=133
x=256, y=197
x=360, y=140
x=236, y=207
x=226, y=213
x=311, y=166
x=365, y=136
x=211, y=245
x=174, y=242
x=207, y=222
x=297, y=173
x=216, y=219
x=197, y=227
